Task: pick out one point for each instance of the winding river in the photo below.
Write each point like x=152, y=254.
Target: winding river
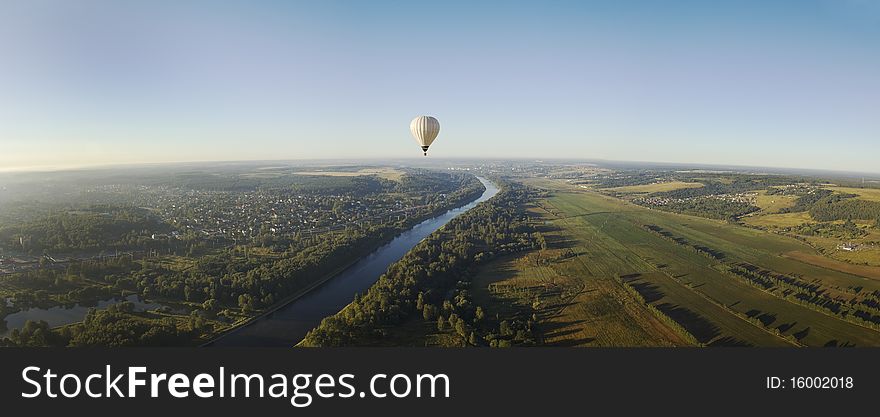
x=287, y=325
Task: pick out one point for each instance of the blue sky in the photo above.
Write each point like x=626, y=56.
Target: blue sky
x=762, y=83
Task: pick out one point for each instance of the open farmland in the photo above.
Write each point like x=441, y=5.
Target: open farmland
x=577, y=303
x=779, y=220
x=656, y=187
x=387, y=173
x=771, y=204
x=865, y=271
x=609, y=238
x=870, y=194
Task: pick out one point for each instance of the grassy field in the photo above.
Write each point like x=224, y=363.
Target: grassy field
x=771, y=204
x=867, y=254
x=871, y=194
x=608, y=239
x=778, y=220
x=387, y=173
x=577, y=303
x=656, y=188
x=866, y=271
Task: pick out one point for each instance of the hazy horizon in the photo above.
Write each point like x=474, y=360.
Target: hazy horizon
x=777, y=84
x=419, y=162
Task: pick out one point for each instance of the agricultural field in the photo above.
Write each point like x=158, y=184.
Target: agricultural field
x=779, y=220
x=681, y=266
x=867, y=271
x=772, y=204
x=386, y=173
x=575, y=306
x=826, y=237
x=656, y=187
x=840, y=222
x=870, y=194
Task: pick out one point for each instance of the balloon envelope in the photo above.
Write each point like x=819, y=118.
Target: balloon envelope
x=425, y=130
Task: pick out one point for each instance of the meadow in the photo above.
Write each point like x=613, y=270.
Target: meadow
x=771, y=219
x=386, y=173
x=597, y=241
x=656, y=187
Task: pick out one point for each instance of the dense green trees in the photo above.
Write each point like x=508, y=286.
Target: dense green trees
x=845, y=231
x=94, y=227
x=804, y=202
x=713, y=208
x=225, y=283
x=432, y=274
x=118, y=326
x=843, y=207
x=33, y=334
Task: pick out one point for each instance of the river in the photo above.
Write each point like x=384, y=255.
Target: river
x=288, y=325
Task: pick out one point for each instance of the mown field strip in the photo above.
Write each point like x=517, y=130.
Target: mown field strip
x=613, y=239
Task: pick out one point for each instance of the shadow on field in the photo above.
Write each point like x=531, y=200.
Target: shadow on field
x=561, y=243
x=729, y=341
x=549, y=328
x=630, y=277
x=786, y=327
x=836, y=343
x=765, y=318
x=558, y=329
x=702, y=329
x=649, y=291
x=574, y=342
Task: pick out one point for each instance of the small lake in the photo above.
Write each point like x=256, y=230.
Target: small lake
x=288, y=325
x=61, y=315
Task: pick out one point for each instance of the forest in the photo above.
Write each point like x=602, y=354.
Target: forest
x=221, y=285
x=844, y=207
x=712, y=208
x=94, y=227
x=429, y=285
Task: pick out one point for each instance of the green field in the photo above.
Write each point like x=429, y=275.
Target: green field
x=609, y=239
x=656, y=187
x=771, y=204
x=577, y=303
x=870, y=194
x=778, y=220
x=387, y=173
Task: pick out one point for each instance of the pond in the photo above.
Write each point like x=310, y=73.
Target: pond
x=61, y=315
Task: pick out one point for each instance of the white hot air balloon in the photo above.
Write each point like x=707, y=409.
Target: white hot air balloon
x=425, y=130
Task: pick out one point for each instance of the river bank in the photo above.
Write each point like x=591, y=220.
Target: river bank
x=288, y=323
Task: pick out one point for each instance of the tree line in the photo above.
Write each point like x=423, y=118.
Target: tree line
x=429, y=284
x=222, y=286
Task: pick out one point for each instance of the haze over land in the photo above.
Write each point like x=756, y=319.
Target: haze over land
x=754, y=83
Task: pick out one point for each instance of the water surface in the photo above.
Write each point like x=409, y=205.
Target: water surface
x=61, y=315
x=289, y=324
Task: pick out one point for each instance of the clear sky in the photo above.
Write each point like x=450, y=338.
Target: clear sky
x=762, y=83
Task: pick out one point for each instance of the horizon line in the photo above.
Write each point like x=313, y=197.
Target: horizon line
x=101, y=166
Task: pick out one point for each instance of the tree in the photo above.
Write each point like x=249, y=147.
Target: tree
x=420, y=302
x=504, y=328
x=428, y=312
x=245, y=302
x=479, y=315
x=461, y=328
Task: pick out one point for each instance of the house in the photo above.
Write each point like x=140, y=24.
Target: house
x=849, y=247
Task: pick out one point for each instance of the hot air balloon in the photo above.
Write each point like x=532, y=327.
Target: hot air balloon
x=425, y=130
